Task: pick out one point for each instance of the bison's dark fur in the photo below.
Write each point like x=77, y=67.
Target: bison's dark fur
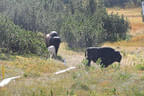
x=53, y=39
x=53, y=33
x=106, y=54
x=56, y=42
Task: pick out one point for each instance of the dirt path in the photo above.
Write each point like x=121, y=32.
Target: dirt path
x=72, y=60
x=70, y=57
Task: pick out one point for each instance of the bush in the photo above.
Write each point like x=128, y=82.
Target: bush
x=15, y=39
x=116, y=27
x=140, y=67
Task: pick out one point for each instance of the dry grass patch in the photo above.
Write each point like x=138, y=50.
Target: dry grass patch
x=127, y=12
x=136, y=41
x=138, y=38
x=35, y=66
x=127, y=43
x=137, y=29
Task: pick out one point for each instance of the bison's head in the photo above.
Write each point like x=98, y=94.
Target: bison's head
x=53, y=33
x=118, y=56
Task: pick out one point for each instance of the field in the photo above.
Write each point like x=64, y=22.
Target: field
x=38, y=78
x=134, y=16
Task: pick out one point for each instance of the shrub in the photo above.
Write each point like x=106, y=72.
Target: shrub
x=116, y=27
x=3, y=56
x=85, y=62
x=140, y=67
x=15, y=39
x=124, y=76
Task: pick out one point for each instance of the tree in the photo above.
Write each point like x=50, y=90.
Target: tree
x=81, y=23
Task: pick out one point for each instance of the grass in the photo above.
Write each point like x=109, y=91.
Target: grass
x=38, y=78
x=80, y=83
x=31, y=67
x=35, y=65
x=140, y=66
x=84, y=81
x=133, y=14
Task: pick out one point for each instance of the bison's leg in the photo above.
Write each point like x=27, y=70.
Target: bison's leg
x=102, y=64
x=89, y=61
x=95, y=59
x=54, y=54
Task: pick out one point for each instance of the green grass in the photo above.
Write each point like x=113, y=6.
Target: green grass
x=33, y=66
x=140, y=67
x=79, y=82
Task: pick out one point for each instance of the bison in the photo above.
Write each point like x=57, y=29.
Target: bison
x=53, y=39
x=106, y=54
